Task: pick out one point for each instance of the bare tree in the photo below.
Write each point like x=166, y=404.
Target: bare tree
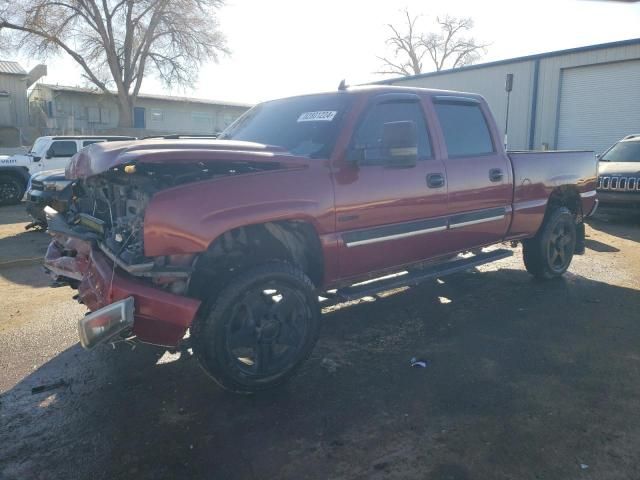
x=408, y=49
x=448, y=48
x=118, y=42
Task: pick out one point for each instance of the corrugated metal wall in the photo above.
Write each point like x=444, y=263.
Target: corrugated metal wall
x=489, y=82
x=548, y=115
x=15, y=106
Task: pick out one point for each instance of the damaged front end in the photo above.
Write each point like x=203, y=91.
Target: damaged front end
x=98, y=248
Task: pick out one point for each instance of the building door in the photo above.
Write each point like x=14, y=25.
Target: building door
x=139, y=117
x=599, y=104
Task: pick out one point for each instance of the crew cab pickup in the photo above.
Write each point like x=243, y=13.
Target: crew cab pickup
x=234, y=240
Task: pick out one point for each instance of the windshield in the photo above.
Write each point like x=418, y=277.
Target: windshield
x=623, y=152
x=39, y=147
x=305, y=126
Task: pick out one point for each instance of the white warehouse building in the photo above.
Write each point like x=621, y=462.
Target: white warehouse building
x=582, y=98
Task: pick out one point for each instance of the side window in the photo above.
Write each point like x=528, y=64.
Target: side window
x=465, y=129
x=64, y=148
x=368, y=136
x=86, y=143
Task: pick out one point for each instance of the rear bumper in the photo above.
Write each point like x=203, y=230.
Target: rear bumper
x=159, y=317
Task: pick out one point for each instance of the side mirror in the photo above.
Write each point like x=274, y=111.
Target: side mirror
x=50, y=153
x=400, y=144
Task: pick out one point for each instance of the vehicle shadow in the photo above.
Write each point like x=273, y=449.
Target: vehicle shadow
x=601, y=247
x=623, y=225
x=521, y=375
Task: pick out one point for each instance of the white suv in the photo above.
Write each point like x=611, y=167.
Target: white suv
x=47, y=153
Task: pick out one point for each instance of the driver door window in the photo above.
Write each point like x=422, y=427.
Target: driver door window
x=367, y=140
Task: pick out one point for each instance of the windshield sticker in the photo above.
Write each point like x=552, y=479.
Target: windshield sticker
x=322, y=116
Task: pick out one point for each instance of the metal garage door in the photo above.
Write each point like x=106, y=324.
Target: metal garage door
x=599, y=104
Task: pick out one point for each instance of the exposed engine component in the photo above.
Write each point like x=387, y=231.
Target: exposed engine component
x=112, y=204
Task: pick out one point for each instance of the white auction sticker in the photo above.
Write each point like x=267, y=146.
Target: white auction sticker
x=322, y=116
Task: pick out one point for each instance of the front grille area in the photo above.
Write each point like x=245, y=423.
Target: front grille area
x=619, y=184
x=37, y=185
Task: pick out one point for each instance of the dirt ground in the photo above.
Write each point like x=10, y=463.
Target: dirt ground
x=525, y=380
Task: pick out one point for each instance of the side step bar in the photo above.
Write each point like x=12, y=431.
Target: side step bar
x=370, y=288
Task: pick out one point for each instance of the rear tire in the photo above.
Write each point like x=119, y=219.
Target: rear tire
x=549, y=254
x=11, y=190
x=260, y=328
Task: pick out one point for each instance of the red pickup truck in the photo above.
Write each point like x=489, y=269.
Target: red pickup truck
x=234, y=240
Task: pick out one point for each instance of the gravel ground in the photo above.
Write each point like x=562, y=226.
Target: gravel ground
x=525, y=380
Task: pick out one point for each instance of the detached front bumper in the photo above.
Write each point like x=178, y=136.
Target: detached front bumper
x=159, y=317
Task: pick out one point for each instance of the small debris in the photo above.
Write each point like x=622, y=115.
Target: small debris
x=51, y=386
x=584, y=466
x=329, y=364
x=419, y=363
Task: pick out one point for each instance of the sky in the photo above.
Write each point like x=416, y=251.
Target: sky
x=287, y=47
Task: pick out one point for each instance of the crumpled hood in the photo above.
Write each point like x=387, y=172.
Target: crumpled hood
x=619, y=168
x=100, y=157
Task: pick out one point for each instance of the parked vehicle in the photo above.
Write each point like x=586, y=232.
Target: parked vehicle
x=51, y=188
x=235, y=239
x=47, y=153
x=619, y=175
x=47, y=188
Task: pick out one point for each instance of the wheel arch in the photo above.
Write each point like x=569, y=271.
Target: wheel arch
x=294, y=240
x=565, y=196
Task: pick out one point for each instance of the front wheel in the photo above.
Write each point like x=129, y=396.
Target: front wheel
x=549, y=254
x=11, y=190
x=260, y=328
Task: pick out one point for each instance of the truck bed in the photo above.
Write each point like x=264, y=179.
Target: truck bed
x=538, y=173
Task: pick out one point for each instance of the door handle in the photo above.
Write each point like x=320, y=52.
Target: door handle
x=435, y=180
x=495, y=174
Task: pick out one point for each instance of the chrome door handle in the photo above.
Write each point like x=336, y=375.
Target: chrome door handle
x=435, y=180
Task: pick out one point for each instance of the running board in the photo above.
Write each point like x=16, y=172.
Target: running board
x=372, y=287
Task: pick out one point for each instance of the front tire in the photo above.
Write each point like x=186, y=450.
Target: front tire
x=261, y=327
x=11, y=190
x=549, y=254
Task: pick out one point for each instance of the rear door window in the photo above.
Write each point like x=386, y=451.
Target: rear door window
x=465, y=129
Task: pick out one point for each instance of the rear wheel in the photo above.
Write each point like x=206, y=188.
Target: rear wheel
x=260, y=328
x=549, y=254
x=11, y=190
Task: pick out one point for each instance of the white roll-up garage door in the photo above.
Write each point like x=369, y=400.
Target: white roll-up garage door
x=599, y=104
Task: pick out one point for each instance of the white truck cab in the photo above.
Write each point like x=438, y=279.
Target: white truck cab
x=47, y=153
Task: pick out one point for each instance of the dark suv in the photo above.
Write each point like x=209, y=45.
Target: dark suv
x=619, y=175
